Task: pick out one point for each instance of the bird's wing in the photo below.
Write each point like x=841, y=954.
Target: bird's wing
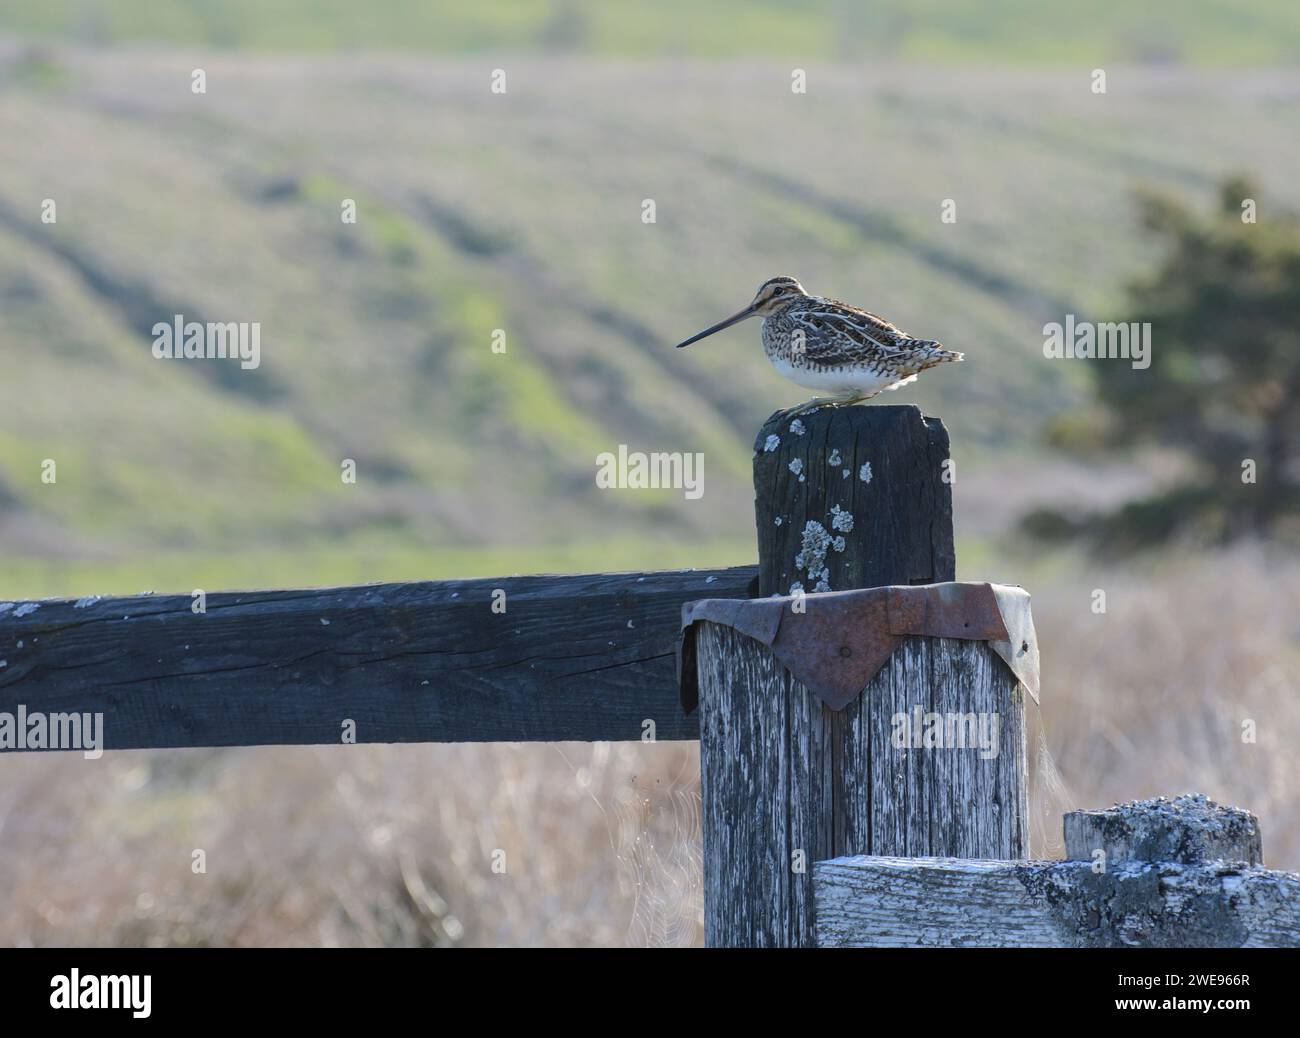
x=836, y=334
x=867, y=317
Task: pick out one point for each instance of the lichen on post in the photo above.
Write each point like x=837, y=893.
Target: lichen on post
x=852, y=497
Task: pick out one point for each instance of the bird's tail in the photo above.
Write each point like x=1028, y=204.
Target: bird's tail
x=932, y=351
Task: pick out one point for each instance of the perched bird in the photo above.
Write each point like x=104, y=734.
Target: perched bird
x=821, y=344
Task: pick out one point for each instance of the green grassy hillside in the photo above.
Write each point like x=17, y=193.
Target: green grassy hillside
x=522, y=212
x=1214, y=32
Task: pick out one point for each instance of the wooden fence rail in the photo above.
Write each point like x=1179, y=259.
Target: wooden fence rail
x=1154, y=874
x=570, y=657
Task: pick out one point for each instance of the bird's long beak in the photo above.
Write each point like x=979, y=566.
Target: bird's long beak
x=733, y=319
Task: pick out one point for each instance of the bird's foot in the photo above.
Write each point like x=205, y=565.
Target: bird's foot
x=816, y=402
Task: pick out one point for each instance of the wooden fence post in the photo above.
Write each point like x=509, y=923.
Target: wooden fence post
x=879, y=476
x=785, y=781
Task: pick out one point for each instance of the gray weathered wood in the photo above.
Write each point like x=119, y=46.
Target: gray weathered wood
x=886, y=902
x=572, y=657
x=786, y=781
x=901, y=513
x=1188, y=829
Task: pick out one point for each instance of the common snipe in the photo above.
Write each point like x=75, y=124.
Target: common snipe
x=822, y=344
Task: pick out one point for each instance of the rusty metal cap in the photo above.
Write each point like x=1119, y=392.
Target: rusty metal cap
x=835, y=642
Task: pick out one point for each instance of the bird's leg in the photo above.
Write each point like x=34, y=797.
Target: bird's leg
x=809, y=405
x=816, y=402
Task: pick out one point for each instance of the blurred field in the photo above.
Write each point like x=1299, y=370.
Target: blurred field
x=522, y=212
x=1215, y=32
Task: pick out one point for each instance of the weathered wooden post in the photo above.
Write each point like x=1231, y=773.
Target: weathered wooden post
x=799, y=762
x=879, y=476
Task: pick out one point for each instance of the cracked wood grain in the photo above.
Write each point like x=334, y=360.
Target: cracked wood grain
x=787, y=782
x=890, y=902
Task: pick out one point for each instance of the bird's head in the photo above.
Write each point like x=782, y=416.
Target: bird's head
x=772, y=294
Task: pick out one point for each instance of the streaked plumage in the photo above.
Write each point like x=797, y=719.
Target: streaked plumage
x=825, y=345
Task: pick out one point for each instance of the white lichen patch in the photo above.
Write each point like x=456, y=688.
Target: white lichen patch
x=772, y=442
x=795, y=589
x=838, y=544
x=812, y=554
x=845, y=474
x=796, y=466
x=778, y=521
x=89, y=600
x=797, y=427
x=864, y=473
x=26, y=609
x=841, y=520
x=835, y=458
x=5, y=607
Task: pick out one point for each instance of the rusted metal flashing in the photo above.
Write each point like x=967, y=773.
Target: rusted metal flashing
x=835, y=642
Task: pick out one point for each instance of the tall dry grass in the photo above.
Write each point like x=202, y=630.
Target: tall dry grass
x=1160, y=695
x=395, y=845
x=560, y=844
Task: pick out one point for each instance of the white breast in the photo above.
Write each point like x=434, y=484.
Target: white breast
x=848, y=382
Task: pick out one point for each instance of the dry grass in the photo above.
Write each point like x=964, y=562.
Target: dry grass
x=1152, y=698
x=394, y=845
x=593, y=844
